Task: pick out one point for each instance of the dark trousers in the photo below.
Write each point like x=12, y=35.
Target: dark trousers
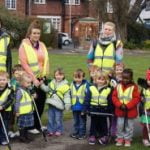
x=98, y=126
x=79, y=123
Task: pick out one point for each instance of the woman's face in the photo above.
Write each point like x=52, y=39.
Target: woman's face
x=35, y=35
x=108, y=30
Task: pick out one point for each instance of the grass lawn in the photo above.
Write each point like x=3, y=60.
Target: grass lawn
x=139, y=63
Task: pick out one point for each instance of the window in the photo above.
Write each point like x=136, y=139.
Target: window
x=39, y=1
x=72, y=2
x=10, y=4
x=147, y=6
x=109, y=7
x=55, y=21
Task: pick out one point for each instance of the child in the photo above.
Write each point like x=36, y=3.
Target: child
x=24, y=107
x=79, y=87
x=58, y=99
x=107, y=50
x=99, y=99
x=125, y=98
x=6, y=100
x=145, y=117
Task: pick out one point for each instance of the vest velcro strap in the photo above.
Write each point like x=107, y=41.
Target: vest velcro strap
x=108, y=57
x=102, y=97
x=2, y=65
x=3, y=53
x=33, y=64
x=25, y=103
x=78, y=96
x=98, y=57
x=125, y=98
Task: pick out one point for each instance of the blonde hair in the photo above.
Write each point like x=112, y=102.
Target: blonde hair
x=111, y=24
x=24, y=77
x=4, y=73
x=34, y=25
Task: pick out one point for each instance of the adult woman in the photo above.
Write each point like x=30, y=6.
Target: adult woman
x=33, y=57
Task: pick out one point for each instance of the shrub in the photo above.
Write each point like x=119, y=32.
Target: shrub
x=146, y=44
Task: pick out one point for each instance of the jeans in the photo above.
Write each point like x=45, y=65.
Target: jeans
x=79, y=123
x=55, y=120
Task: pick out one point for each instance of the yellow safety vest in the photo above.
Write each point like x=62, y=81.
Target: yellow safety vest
x=99, y=98
x=33, y=60
x=3, y=98
x=77, y=94
x=4, y=42
x=59, y=91
x=146, y=93
x=126, y=95
x=25, y=103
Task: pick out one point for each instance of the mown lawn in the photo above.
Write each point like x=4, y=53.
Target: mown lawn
x=139, y=63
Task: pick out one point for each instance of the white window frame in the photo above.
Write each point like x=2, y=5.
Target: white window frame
x=10, y=6
x=72, y=2
x=109, y=7
x=39, y=1
x=51, y=19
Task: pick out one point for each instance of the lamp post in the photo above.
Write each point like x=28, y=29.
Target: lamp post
x=70, y=17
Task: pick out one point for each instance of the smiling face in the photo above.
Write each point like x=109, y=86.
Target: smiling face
x=108, y=30
x=35, y=35
x=3, y=81
x=59, y=76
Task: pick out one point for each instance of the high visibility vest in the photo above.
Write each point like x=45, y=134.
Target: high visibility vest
x=3, y=98
x=99, y=98
x=59, y=91
x=146, y=93
x=77, y=94
x=4, y=42
x=125, y=96
x=33, y=60
x=105, y=59
x=25, y=103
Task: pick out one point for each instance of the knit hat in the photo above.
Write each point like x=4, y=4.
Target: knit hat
x=148, y=74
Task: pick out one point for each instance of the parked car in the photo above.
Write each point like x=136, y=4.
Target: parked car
x=66, y=40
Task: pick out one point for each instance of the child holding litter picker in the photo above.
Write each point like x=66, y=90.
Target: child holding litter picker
x=98, y=102
x=145, y=112
x=6, y=100
x=125, y=98
x=24, y=107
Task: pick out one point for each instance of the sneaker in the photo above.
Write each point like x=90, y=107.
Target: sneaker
x=81, y=137
x=50, y=134
x=74, y=135
x=34, y=131
x=4, y=143
x=146, y=142
x=92, y=140
x=58, y=133
x=17, y=133
x=103, y=140
x=127, y=143
x=119, y=142
x=44, y=128
x=11, y=134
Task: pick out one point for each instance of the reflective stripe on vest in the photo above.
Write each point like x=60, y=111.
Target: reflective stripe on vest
x=146, y=93
x=99, y=98
x=25, y=103
x=33, y=60
x=105, y=58
x=59, y=91
x=126, y=95
x=3, y=52
x=3, y=98
x=77, y=94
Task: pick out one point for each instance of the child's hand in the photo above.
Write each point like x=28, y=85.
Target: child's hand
x=123, y=107
x=34, y=95
x=17, y=114
x=1, y=108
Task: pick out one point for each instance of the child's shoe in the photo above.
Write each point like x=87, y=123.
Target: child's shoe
x=146, y=142
x=119, y=142
x=103, y=140
x=57, y=133
x=4, y=143
x=50, y=134
x=81, y=137
x=92, y=140
x=74, y=135
x=127, y=143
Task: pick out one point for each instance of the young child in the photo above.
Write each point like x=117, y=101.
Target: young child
x=99, y=101
x=145, y=117
x=78, y=89
x=6, y=100
x=58, y=99
x=125, y=98
x=107, y=50
x=24, y=107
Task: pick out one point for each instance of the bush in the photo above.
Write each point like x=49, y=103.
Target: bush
x=146, y=44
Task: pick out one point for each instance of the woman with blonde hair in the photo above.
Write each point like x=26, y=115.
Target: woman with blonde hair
x=33, y=57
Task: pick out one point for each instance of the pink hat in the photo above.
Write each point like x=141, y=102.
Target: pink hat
x=148, y=74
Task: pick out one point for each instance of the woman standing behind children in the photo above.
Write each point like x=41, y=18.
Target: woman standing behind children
x=58, y=99
x=126, y=98
x=145, y=117
x=6, y=99
x=99, y=101
x=79, y=88
x=24, y=107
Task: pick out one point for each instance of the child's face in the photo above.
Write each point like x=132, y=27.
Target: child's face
x=17, y=74
x=59, y=77
x=3, y=81
x=100, y=81
x=148, y=82
x=27, y=82
x=108, y=30
x=78, y=78
x=126, y=78
x=118, y=70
